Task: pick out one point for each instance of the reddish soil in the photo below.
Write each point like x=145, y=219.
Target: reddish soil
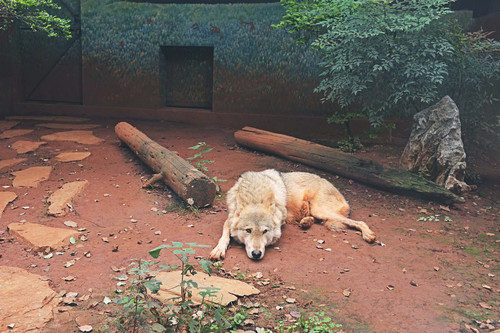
x=423, y=276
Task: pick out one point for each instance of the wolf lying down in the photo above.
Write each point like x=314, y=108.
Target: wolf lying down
x=261, y=202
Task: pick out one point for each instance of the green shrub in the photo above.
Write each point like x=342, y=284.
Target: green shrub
x=383, y=59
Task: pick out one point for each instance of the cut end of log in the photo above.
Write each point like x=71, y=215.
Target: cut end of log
x=200, y=192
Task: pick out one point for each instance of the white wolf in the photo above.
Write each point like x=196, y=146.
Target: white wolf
x=259, y=203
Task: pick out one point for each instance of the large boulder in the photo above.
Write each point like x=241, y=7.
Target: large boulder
x=435, y=148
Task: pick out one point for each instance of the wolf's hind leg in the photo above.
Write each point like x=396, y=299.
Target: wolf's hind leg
x=334, y=225
x=337, y=222
x=368, y=234
x=306, y=222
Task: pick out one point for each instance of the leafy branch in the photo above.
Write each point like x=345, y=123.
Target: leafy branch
x=35, y=14
x=383, y=59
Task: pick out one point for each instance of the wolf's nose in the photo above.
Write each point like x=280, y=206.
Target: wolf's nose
x=256, y=254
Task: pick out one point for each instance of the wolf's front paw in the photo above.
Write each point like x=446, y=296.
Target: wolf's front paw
x=217, y=254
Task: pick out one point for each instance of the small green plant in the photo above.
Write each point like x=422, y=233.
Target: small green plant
x=350, y=145
x=201, y=162
x=434, y=218
x=317, y=323
x=182, y=252
x=139, y=308
x=217, y=181
x=142, y=312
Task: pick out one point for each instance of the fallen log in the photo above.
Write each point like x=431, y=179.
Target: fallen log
x=365, y=171
x=190, y=184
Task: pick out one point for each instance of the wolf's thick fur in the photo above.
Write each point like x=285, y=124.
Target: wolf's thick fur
x=261, y=202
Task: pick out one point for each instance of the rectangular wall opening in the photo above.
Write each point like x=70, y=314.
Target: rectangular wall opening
x=186, y=76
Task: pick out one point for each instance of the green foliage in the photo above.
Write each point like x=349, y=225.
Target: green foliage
x=36, y=14
x=434, y=218
x=200, y=161
x=474, y=74
x=384, y=58
x=317, y=323
x=350, y=145
x=142, y=312
x=181, y=252
x=139, y=308
x=306, y=17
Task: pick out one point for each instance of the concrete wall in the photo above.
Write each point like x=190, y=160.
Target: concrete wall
x=256, y=69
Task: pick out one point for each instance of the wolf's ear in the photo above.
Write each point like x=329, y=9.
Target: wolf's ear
x=268, y=200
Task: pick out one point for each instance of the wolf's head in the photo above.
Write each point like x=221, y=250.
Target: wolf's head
x=257, y=226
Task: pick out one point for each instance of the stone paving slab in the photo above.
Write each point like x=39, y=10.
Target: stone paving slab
x=5, y=198
x=229, y=289
x=9, y=162
x=31, y=177
x=7, y=124
x=41, y=237
x=83, y=137
x=25, y=146
x=14, y=132
x=26, y=300
x=72, y=156
x=61, y=200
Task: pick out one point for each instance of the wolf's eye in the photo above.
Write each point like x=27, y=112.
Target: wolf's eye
x=248, y=230
x=263, y=232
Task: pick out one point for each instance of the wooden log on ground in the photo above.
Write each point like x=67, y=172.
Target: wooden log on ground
x=190, y=184
x=365, y=171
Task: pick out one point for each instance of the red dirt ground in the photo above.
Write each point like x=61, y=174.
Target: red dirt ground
x=427, y=277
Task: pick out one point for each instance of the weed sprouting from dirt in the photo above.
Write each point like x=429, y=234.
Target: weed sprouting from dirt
x=143, y=312
x=198, y=157
x=317, y=323
x=201, y=162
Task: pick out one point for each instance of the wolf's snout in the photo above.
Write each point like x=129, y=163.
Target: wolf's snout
x=256, y=254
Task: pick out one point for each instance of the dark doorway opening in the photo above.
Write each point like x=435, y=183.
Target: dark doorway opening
x=186, y=76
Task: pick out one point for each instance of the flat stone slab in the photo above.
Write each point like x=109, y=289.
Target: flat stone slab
x=60, y=199
x=72, y=156
x=5, y=198
x=41, y=237
x=12, y=161
x=63, y=119
x=68, y=126
x=24, y=146
x=14, y=132
x=31, y=177
x=7, y=124
x=26, y=300
x=229, y=291
x=83, y=137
